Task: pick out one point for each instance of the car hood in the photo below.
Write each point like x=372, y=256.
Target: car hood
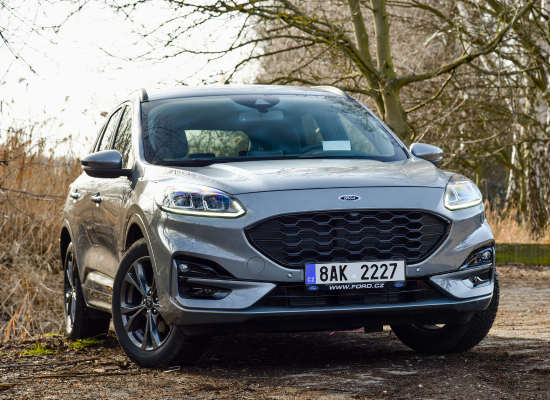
x=269, y=175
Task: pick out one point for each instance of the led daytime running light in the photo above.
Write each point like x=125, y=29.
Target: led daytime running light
x=461, y=193
x=200, y=201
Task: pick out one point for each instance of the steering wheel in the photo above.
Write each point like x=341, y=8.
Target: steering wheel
x=311, y=147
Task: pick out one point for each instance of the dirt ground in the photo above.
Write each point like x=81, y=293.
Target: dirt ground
x=513, y=362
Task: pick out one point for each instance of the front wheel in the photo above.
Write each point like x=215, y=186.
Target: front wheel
x=451, y=338
x=142, y=332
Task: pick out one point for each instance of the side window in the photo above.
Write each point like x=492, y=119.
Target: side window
x=110, y=131
x=123, y=141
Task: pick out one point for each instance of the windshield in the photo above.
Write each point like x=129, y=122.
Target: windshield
x=250, y=127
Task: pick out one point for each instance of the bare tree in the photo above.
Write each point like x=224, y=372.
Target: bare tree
x=17, y=26
x=347, y=36
x=469, y=76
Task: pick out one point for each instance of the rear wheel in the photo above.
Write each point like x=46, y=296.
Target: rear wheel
x=142, y=332
x=451, y=338
x=78, y=323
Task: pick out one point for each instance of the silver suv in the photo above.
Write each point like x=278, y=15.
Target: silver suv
x=216, y=210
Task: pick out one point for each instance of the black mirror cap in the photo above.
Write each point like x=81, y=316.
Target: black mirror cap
x=108, y=172
x=106, y=159
x=105, y=164
x=427, y=152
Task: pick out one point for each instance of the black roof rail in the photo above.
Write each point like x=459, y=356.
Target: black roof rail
x=333, y=89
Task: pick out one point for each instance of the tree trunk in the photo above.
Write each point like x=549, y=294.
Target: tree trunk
x=395, y=117
x=536, y=156
x=388, y=103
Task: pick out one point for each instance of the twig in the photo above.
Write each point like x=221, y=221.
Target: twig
x=50, y=290
x=48, y=364
x=435, y=95
x=74, y=375
x=32, y=194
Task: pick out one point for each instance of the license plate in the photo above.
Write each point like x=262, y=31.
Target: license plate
x=355, y=275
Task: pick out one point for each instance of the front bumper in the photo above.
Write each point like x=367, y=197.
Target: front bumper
x=244, y=310
x=222, y=241
x=221, y=322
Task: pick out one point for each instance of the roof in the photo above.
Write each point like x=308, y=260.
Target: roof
x=224, y=90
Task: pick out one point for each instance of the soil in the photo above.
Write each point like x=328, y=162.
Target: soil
x=513, y=362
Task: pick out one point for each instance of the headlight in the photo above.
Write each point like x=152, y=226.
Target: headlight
x=200, y=200
x=461, y=193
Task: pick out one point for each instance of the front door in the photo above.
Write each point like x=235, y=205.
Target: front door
x=109, y=214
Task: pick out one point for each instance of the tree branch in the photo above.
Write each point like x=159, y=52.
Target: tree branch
x=489, y=47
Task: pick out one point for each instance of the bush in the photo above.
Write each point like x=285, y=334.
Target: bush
x=33, y=185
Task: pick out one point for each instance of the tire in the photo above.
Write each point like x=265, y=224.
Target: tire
x=451, y=338
x=78, y=323
x=142, y=333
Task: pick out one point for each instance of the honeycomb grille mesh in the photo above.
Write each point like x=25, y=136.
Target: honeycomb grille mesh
x=294, y=240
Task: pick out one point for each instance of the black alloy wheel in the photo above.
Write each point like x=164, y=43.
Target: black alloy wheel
x=142, y=332
x=139, y=307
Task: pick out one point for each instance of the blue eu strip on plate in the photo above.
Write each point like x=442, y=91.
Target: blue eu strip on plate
x=310, y=274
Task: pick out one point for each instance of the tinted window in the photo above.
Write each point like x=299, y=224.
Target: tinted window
x=123, y=142
x=223, y=128
x=110, y=131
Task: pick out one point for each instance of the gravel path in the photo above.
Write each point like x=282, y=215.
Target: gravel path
x=513, y=363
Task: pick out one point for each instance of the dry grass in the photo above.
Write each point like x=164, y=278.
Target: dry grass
x=507, y=229
x=33, y=186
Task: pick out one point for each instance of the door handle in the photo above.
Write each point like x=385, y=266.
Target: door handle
x=75, y=195
x=96, y=198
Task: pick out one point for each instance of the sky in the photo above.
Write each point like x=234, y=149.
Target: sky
x=90, y=65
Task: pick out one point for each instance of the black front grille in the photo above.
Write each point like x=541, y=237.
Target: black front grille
x=294, y=240
x=290, y=296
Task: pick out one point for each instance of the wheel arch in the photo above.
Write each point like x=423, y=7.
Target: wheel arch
x=65, y=238
x=136, y=230
x=133, y=234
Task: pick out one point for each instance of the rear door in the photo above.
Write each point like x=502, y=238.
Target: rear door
x=114, y=193
x=83, y=230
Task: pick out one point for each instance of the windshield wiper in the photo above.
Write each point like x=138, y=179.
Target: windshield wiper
x=192, y=161
x=208, y=161
x=342, y=157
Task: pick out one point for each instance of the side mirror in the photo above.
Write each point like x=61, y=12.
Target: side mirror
x=105, y=164
x=427, y=152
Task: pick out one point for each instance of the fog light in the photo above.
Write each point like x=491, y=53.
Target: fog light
x=182, y=268
x=486, y=255
x=188, y=270
x=483, y=256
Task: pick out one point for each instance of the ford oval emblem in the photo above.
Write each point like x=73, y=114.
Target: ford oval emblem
x=349, y=197
x=312, y=288
x=398, y=284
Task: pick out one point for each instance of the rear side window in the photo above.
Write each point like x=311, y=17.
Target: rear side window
x=123, y=142
x=110, y=130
